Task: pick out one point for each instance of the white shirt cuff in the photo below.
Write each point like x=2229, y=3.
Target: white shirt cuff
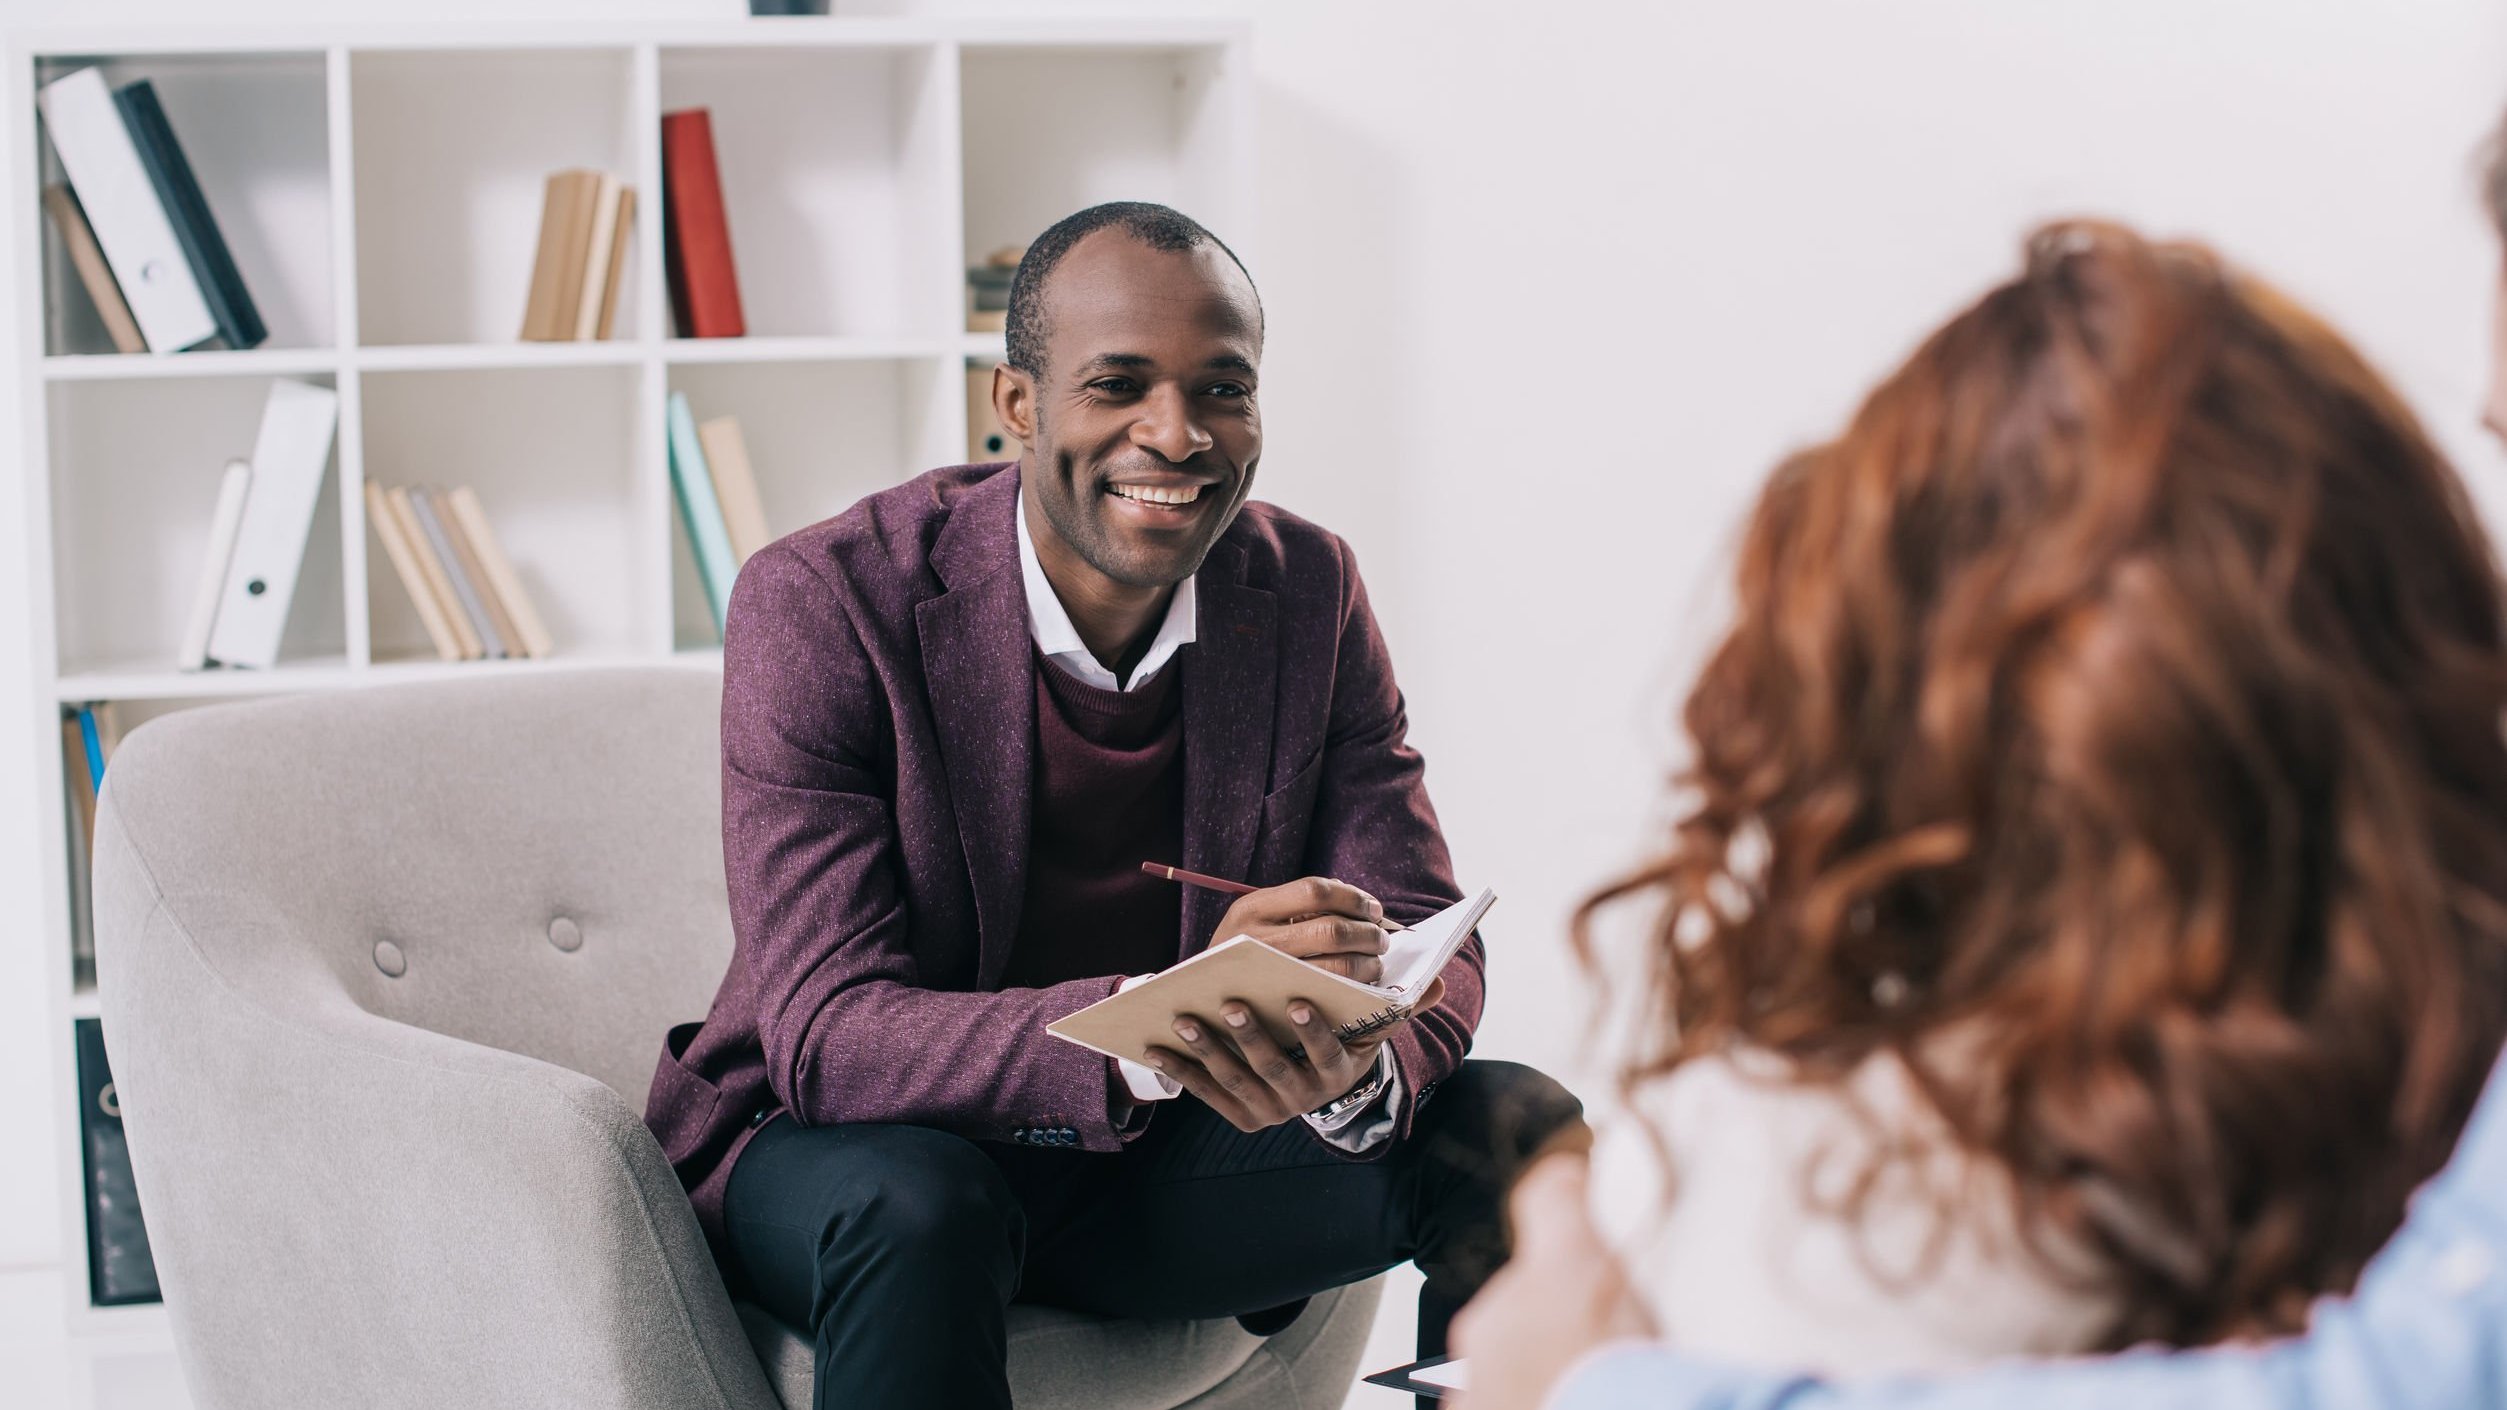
x=1147, y=1084
x=1364, y=1128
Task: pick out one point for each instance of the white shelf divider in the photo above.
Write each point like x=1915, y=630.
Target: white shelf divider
x=255, y=362
x=693, y=351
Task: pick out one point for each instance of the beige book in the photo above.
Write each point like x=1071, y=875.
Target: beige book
x=439, y=581
x=397, y=547
x=539, y=321
x=557, y=271
x=597, y=249
x=490, y=601
x=529, y=630
x=1128, y=1024
x=88, y=258
x=735, y=485
x=617, y=263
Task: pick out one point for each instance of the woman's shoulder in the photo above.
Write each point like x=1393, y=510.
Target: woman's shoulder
x=1832, y=1225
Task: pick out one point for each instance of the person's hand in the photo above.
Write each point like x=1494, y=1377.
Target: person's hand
x=1245, y=1075
x=1561, y=1295
x=1326, y=923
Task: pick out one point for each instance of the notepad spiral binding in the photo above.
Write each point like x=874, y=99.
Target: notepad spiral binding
x=1375, y=1022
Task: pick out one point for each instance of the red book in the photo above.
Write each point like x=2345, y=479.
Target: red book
x=704, y=292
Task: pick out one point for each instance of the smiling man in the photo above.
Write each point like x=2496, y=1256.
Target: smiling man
x=956, y=719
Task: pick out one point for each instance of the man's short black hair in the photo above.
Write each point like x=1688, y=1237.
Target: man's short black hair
x=1159, y=227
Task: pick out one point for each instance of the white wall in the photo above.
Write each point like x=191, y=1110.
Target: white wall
x=1551, y=286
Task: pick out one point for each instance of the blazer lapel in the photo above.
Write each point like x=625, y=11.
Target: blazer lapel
x=978, y=672
x=1230, y=674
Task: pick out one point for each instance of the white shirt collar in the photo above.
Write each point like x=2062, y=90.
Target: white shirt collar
x=1060, y=642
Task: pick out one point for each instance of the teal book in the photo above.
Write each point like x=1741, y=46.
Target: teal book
x=707, y=534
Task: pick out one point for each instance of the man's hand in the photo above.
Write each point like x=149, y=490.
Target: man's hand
x=1243, y=1073
x=1321, y=921
x=1560, y=1296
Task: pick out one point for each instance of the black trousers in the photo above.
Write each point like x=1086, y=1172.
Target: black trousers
x=900, y=1248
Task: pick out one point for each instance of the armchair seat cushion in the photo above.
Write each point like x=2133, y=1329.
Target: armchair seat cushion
x=1061, y=1360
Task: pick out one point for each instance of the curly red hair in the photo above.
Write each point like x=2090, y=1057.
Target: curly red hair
x=2120, y=696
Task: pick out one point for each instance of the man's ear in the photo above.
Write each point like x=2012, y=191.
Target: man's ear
x=1014, y=402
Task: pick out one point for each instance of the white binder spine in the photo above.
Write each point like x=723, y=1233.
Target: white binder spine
x=131, y=224
x=289, y=460
x=224, y=522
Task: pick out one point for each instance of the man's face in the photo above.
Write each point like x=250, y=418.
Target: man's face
x=1143, y=433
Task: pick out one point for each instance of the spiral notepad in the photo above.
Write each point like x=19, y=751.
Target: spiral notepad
x=1128, y=1024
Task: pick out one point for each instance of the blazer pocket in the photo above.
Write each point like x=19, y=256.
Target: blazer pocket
x=681, y=1108
x=1292, y=803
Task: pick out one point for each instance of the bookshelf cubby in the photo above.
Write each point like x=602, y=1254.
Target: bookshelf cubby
x=552, y=453
x=832, y=174
x=256, y=130
x=136, y=465
x=381, y=192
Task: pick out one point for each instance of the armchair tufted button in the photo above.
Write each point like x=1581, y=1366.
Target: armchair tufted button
x=389, y=959
x=565, y=935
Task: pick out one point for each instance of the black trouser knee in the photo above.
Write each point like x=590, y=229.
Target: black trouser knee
x=1477, y=1131
x=912, y=1252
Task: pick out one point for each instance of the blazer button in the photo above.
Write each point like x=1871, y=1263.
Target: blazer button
x=760, y=1118
x=1069, y=1136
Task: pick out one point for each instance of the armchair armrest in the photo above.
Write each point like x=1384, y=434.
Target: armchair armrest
x=346, y=1210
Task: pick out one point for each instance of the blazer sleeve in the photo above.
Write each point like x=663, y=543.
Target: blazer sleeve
x=1375, y=829
x=820, y=921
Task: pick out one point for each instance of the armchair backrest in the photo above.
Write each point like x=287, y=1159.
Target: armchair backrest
x=532, y=862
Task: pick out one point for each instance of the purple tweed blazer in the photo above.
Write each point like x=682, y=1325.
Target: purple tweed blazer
x=878, y=737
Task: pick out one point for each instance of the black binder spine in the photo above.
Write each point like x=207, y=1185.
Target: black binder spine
x=120, y=1269
x=239, y=322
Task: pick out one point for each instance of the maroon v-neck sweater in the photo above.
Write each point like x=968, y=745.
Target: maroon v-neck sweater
x=1108, y=795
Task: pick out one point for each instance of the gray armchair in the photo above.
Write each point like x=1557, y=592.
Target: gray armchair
x=384, y=973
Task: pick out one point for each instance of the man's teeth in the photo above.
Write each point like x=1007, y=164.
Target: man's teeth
x=1158, y=494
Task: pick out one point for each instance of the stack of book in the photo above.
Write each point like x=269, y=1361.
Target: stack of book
x=718, y=499
x=135, y=224
x=696, y=243
x=585, y=219
x=89, y=735
x=456, y=573
x=257, y=532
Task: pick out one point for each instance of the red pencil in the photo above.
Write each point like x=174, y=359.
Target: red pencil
x=1194, y=878
x=1218, y=883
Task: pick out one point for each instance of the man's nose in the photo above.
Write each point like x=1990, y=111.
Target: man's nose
x=1167, y=426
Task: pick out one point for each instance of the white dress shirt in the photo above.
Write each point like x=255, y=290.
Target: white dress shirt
x=1049, y=623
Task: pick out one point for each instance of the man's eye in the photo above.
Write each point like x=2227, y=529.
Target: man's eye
x=1112, y=386
x=1229, y=389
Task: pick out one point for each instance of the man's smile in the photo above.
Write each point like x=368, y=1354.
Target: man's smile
x=1159, y=505
x=1157, y=494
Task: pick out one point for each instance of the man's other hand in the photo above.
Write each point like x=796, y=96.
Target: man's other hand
x=1326, y=923
x=1561, y=1295
x=1244, y=1074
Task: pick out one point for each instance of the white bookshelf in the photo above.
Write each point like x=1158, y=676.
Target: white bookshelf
x=380, y=190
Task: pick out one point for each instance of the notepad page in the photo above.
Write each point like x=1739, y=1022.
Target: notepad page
x=1414, y=956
